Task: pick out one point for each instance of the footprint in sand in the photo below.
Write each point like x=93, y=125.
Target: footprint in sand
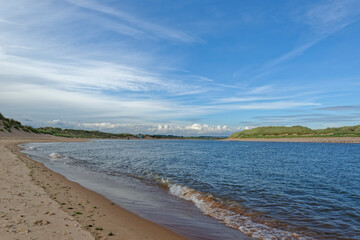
x=41, y=222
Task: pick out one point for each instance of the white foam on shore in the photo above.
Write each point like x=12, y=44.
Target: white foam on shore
x=229, y=215
x=58, y=157
x=26, y=147
x=55, y=155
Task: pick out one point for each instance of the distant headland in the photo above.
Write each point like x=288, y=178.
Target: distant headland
x=348, y=134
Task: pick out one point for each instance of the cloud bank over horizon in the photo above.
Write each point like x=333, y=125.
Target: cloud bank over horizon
x=195, y=129
x=180, y=68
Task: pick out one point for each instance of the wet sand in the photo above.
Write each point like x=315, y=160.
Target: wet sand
x=310, y=139
x=37, y=203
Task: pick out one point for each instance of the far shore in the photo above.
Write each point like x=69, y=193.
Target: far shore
x=300, y=139
x=37, y=203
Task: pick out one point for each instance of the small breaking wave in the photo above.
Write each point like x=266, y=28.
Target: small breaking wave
x=231, y=215
x=57, y=156
x=27, y=147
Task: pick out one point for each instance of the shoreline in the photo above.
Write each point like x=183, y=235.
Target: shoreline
x=300, y=139
x=89, y=211
x=97, y=215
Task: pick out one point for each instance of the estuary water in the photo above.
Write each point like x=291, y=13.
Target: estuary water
x=207, y=189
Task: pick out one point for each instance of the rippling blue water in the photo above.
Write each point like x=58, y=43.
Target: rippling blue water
x=263, y=189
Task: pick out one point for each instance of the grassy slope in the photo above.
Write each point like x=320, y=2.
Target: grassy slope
x=297, y=131
x=8, y=124
x=81, y=133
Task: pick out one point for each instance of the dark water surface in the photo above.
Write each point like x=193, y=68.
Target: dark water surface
x=264, y=190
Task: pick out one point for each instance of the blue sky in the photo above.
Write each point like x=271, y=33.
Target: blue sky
x=180, y=67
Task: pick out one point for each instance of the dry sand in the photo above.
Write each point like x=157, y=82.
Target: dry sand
x=26, y=211
x=310, y=139
x=37, y=203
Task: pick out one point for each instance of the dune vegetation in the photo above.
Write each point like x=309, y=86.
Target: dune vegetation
x=297, y=131
x=8, y=124
x=76, y=133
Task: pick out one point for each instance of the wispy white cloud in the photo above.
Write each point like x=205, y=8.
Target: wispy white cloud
x=50, y=102
x=287, y=56
x=88, y=75
x=124, y=29
x=248, y=99
x=341, y=108
x=324, y=19
x=103, y=125
x=332, y=16
x=6, y=21
x=261, y=89
x=274, y=105
x=138, y=25
x=32, y=53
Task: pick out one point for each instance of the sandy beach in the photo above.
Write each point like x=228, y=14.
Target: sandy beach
x=310, y=139
x=37, y=203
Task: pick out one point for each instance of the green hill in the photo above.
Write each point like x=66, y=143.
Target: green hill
x=75, y=133
x=297, y=131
